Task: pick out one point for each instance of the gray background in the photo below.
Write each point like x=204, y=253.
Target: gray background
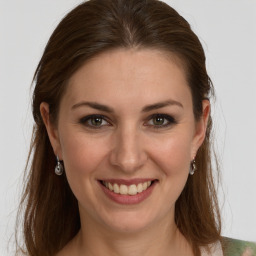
x=227, y=31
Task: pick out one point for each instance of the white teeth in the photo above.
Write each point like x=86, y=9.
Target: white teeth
x=123, y=190
x=110, y=187
x=132, y=190
x=127, y=190
x=145, y=185
x=116, y=188
x=139, y=188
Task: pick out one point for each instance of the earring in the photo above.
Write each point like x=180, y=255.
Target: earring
x=59, y=167
x=192, y=167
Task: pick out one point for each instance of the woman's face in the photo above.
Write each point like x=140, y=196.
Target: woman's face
x=126, y=123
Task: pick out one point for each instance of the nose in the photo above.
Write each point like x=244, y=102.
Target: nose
x=128, y=152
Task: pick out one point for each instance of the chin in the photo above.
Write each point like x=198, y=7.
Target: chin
x=128, y=227
x=128, y=222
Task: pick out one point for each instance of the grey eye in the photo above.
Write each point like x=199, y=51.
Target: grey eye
x=158, y=120
x=96, y=121
x=161, y=120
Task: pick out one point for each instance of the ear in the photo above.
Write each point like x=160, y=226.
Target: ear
x=201, y=127
x=51, y=129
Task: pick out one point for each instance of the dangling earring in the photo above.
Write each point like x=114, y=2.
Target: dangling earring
x=192, y=167
x=59, y=167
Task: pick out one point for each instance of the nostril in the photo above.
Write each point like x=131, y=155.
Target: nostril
x=128, y=158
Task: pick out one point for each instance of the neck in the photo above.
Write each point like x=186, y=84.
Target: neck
x=160, y=239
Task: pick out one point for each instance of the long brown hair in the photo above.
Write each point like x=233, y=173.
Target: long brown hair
x=51, y=216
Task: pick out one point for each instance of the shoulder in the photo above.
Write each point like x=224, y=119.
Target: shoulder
x=234, y=247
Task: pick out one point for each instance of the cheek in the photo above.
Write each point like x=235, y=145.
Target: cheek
x=82, y=155
x=173, y=154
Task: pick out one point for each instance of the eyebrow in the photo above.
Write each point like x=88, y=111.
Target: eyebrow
x=108, y=109
x=94, y=105
x=161, y=105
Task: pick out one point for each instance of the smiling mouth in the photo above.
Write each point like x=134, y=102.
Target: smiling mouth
x=131, y=190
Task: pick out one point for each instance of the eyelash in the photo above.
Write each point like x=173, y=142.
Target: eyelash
x=171, y=120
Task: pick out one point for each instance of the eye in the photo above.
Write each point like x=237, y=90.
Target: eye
x=161, y=120
x=94, y=121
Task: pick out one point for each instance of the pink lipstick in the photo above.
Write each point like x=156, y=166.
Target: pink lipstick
x=127, y=191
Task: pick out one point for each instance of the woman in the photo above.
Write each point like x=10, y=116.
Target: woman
x=121, y=157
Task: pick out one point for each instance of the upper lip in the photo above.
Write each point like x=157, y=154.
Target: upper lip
x=127, y=182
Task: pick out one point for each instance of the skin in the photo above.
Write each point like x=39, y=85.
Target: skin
x=128, y=144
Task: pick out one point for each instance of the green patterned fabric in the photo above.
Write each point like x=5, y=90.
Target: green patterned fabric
x=234, y=247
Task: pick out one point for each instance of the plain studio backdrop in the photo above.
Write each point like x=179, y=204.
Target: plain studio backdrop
x=227, y=31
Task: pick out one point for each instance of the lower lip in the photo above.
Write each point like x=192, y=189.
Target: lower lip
x=128, y=199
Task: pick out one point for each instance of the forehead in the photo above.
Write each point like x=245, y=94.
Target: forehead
x=123, y=75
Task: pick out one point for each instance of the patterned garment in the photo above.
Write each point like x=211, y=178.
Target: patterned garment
x=233, y=247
